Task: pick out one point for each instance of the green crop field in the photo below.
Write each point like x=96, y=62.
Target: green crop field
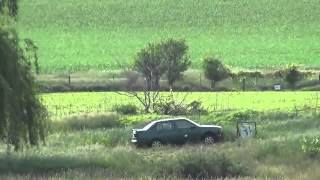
x=65, y=104
x=75, y=35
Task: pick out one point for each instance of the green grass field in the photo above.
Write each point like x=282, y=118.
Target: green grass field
x=65, y=104
x=75, y=35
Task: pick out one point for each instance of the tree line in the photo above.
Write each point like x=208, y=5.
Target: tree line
x=170, y=58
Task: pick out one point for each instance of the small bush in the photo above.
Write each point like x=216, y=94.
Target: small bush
x=125, y=109
x=293, y=75
x=311, y=145
x=196, y=107
x=215, y=70
x=169, y=106
x=243, y=116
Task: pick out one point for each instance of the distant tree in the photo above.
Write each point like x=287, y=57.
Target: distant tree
x=168, y=57
x=150, y=64
x=292, y=75
x=176, y=61
x=215, y=71
x=22, y=117
x=153, y=62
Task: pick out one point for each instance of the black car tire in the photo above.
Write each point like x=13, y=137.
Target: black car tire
x=209, y=139
x=156, y=143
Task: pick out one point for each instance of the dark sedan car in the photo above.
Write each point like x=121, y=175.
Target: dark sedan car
x=175, y=131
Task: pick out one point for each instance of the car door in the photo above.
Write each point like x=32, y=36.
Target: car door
x=186, y=131
x=166, y=132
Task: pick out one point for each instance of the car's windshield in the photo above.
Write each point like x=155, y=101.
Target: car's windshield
x=193, y=122
x=148, y=126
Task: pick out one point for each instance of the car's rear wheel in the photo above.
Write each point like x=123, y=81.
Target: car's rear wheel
x=209, y=139
x=156, y=144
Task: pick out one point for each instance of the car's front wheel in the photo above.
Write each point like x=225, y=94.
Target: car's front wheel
x=156, y=144
x=209, y=139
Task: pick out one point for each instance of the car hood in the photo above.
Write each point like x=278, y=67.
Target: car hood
x=211, y=126
x=138, y=130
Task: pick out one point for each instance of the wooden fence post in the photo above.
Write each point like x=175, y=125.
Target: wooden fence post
x=69, y=79
x=317, y=99
x=200, y=83
x=244, y=84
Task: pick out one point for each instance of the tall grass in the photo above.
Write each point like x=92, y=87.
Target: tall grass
x=88, y=121
x=276, y=152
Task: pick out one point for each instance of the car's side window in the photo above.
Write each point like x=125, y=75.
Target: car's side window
x=164, y=126
x=183, y=124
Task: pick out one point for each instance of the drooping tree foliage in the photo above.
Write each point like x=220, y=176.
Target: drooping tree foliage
x=22, y=117
x=31, y=53
x=11, y=6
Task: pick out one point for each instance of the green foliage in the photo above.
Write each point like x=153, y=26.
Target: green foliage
x=176, y=61
x=170, y=106
x=31, y=52
x=22, y=117
x=311, y=145
x=165, y=57
x=214, y=70
x=292, y=75
x=126, y=109
x=10, y=5
x=196, y=107
x=243, y=116
x=149, y=63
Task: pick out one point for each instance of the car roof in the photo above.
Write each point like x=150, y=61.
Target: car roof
x=170, y=119
x=166, y=120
